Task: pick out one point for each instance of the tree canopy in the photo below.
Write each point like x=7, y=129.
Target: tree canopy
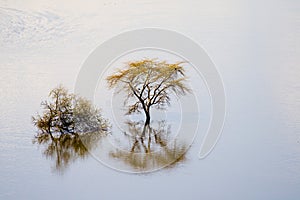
x=149, y=83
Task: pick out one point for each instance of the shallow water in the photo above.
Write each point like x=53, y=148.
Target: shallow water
x=255, y=46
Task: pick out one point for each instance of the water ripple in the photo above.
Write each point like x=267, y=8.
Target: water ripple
x=27, y=29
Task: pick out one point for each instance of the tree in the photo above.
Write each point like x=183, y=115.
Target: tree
x=149, y=83
x=67, y=113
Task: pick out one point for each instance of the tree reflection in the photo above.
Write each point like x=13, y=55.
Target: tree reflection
x=68, y=127
x=150, y=147
x=66, y=148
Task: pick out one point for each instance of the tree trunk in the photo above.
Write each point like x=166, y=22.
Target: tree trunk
x=147, y=122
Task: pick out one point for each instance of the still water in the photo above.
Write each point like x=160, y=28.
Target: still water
x=255, y=46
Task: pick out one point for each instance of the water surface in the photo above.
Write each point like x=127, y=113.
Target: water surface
x=255, y=46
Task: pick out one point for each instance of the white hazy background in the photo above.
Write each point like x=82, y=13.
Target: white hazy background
x=254, y=44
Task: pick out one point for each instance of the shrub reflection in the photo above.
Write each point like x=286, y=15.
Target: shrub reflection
x=66, y=148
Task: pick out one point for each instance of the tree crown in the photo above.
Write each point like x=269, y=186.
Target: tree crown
x=150, y=82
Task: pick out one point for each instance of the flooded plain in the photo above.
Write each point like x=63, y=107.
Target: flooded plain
x=255, y=46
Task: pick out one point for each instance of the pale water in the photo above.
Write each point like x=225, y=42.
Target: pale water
x=255, y=46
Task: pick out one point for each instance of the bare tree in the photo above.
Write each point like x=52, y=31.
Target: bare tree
x=149, y=83
x=67, y=113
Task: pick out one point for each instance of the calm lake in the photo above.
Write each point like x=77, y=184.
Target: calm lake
x=254, y=45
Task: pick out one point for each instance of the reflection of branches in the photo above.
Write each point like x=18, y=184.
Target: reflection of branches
x=66, y=148
x=149, y=147
x=144, y=137
x=66, y=121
